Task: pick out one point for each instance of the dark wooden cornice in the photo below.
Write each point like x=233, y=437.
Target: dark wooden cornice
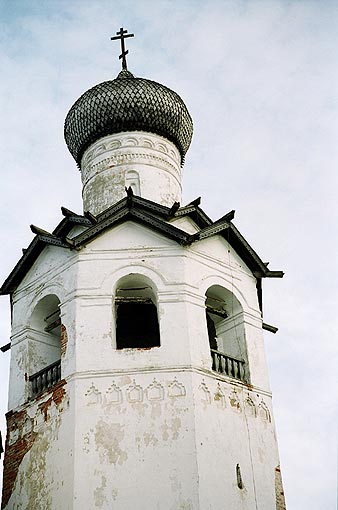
x=70, y=220
x=147, y=213
x=130, y=211
x=28, y=258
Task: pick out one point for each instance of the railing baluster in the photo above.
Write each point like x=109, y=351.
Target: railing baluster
x=236, y=369
x=218, y=364
x=213, y=357
x=52, y=375
x=45, y=378
x=43, y=381
x=223, y=364
x=34, y=387
x=239, y=370
x=226, y=364
x=219, y=368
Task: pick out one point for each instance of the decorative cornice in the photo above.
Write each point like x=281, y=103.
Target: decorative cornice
x=125, y=159
x=126, y=148
x=129, y=140
x=181, y=369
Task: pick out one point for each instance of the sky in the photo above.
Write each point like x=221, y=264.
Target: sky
x=260, y=81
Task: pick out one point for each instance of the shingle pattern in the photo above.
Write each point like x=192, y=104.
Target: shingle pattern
x=127, y=104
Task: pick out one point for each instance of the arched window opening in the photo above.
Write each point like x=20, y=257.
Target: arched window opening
x=136, y=314
x=45, y=345
x=225, y=326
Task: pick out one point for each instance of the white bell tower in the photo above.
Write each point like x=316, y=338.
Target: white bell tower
x=138, y=374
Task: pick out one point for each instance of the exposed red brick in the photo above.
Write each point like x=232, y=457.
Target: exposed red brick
x=57, y=394
x=64, y=340
x=280, y=499
x=249, y=386
x=15, y=452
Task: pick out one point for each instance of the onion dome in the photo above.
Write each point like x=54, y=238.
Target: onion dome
x=127, y=104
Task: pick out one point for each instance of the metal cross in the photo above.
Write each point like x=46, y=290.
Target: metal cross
x=121, y=35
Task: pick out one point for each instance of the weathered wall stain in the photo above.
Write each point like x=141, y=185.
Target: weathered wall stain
x=108, y=439
x=150, y=439
x=36, y=483
x=99, y=493
x=171, y=428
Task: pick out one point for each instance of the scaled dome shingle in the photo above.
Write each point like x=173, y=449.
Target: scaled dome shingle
x=127, y=104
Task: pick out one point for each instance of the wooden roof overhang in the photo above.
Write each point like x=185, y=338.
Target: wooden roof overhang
x=147, y=213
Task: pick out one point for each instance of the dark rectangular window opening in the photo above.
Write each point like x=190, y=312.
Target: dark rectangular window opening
x=136, y=324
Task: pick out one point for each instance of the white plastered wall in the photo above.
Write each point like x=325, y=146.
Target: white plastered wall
x=152, y=423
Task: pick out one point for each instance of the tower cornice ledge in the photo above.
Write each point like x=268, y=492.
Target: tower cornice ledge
x=132, y=141
x=177, y=369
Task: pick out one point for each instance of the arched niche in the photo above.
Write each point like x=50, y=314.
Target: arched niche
x=226, y=332
x=44, y=348
x=136, y=316
x=132, y=179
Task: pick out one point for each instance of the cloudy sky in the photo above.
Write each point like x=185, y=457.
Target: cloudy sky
x=260, y=81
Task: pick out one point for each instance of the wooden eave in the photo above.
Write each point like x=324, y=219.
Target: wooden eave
x=27, y=260
x=224, y=227
x=244, y=250
x=67, y=224
x=196, y=214
x=140, y=203
x=144, y=212
x=136, y=214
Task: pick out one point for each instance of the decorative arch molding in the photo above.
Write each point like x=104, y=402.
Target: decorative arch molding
x=52, y=288
x=228, y=285
x=138, y=277
x=110, y=282
x=49, y=301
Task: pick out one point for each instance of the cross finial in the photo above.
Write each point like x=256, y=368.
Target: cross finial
x=122, y=35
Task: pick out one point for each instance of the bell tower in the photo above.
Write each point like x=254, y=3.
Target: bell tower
x=138, y=374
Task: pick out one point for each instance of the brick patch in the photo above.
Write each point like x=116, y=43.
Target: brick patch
x=64, y=340
x=16, y=450
x=280, y=499
x=21, y=436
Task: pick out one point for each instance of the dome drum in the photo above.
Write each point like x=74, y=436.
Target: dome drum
x=147, y=162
